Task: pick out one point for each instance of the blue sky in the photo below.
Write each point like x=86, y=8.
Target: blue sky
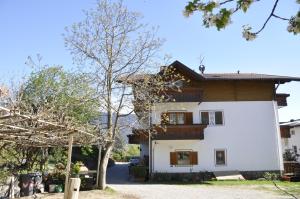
x=33, y=26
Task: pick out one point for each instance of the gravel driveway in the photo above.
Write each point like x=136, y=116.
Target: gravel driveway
x=118, y=180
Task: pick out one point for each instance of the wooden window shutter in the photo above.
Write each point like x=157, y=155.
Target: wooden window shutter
x=189, y=118
x=194, y=158
x=173, y=158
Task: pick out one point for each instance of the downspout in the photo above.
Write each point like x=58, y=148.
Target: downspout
x=277, y=127
x=149, y=143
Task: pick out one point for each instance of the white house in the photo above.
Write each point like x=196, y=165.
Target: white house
x=290, y=136
x=219, y=122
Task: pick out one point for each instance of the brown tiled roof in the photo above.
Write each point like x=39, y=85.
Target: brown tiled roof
x=233, y=76
x=220, y=76
x=248, y=76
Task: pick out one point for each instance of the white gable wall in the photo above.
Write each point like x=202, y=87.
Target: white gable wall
x=250, y=135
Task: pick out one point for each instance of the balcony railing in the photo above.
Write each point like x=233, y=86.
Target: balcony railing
x=179, y=132
x=168, y=132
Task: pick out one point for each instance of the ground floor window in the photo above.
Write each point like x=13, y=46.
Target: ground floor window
x=183, y=158
x=220, y=157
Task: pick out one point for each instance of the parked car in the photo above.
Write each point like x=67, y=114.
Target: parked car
x=134, y=161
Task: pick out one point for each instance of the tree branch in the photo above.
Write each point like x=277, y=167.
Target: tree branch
x=269, y=17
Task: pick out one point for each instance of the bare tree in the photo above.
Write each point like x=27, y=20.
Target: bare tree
x=115, y=46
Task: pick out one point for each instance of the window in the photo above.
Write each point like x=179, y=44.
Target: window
x=218, y=118
x=204, y=117
x=212, y=117
x=177, y=118
x=295, y=149
x=183, y=158
x=220, y=157
x=292, y=132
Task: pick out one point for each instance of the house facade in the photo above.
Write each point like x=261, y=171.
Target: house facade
x=218, y=122
x=290, y=139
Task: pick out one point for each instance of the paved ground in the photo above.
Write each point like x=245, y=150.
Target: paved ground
x=118, y=180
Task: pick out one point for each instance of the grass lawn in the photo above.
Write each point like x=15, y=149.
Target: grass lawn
x=291, y=187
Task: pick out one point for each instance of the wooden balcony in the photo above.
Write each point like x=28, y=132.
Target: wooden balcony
x=281, y=99
x=186, y=95
x=168, y=132
x=138, y=136
x=179, y=132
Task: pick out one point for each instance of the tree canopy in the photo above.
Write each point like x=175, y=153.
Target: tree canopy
x=56, y=96
x=219, y=13
x=65, y=94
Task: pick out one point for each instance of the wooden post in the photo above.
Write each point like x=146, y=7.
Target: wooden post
x=98, y=164
x=68, y=169
x=12, y=187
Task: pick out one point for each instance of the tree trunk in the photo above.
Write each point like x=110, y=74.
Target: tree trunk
x=103, y=166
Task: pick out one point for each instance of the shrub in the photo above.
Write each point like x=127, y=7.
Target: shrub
x=271, y=176
x=139, y=171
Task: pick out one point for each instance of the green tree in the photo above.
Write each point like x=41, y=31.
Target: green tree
x=218, y=14
x=50, y=93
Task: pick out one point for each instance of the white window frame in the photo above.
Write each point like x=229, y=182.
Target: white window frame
x=211, y=117
x=215, y=157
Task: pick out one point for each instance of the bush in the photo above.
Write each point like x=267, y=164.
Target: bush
x=271, y=176
x=139, y=171
x=290, y=155
x=3, y=176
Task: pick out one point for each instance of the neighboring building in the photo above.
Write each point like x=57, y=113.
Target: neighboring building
x=290, y=137
x=219, y=122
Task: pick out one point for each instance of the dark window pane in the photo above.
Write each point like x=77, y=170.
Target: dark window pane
x=172, y=118
x=183, y=158
x=180, y=118
x=218, y=117
x=220, y=157
x=204, y=118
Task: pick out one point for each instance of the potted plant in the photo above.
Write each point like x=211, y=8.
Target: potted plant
x=76, y=169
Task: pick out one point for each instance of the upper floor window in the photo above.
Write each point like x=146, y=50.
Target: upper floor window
x=177, y=118
x=212, y=117
x=292, y=132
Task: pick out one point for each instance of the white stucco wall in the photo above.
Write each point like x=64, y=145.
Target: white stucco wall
x=250, y=135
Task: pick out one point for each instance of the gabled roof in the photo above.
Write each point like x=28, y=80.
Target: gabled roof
x=181, y=68
x=231, y=76
x=186, y=70
x=248, y=76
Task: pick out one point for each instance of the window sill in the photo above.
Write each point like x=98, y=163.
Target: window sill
x=181, y=165
x=220, y=165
